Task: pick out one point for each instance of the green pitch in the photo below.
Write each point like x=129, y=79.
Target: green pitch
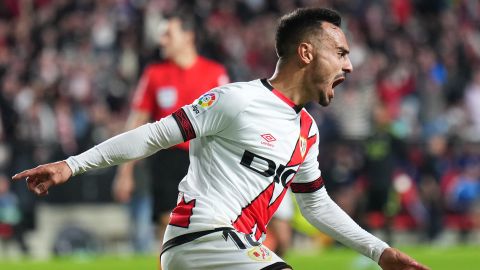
x=458, y=258
x=437, y=258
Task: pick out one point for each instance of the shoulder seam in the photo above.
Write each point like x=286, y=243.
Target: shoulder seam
x=247, y=104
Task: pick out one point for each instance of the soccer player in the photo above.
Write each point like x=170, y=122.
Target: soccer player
x=250, y=142
x=163, y=88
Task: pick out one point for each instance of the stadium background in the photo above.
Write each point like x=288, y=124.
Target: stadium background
x=410, y=109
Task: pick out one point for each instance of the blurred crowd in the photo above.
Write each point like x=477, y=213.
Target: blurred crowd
x=400, y=145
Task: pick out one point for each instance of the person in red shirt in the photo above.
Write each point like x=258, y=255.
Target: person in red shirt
x=164, y=88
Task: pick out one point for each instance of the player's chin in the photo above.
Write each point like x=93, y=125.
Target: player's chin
x=325, y=100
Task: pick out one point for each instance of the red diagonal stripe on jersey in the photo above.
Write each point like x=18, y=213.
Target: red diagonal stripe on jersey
x=181, y=214
x=255, y=213
x=305, y=126
x=274, y=206
x=259, y=211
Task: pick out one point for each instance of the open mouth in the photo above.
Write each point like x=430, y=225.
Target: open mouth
x=338, y=81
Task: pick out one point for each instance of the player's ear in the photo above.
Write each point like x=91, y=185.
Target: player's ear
x=305, y=52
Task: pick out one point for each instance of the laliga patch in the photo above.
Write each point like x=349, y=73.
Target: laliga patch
x=207, y=100
x=260, y=254
x=204, y=103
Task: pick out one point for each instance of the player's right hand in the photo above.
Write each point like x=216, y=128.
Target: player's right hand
x=41, y=178
x=123, y=185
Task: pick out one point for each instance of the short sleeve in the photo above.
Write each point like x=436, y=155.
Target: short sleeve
x=211, y=113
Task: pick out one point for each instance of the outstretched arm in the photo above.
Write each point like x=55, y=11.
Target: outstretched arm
x=41, y=178
x=131, y=145
x=320, y=210
x=124, y=181
x=134, y=144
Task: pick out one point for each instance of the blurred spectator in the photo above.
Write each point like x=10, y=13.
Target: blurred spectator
x=382, y=151
x=10, y=216
x=472, y=102
x=465, y=191
x=437, y=162
x=462, y=194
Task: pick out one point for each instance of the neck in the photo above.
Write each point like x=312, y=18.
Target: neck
x=186, y=59
x=288, y=79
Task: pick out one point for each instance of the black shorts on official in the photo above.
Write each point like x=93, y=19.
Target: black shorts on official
x=168, y=167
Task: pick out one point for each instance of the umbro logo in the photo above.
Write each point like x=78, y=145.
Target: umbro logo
x=268, y=139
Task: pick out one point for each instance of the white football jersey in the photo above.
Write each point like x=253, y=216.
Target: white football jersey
x=249, y=144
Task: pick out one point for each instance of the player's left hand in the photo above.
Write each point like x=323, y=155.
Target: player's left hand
x=394, y=259
x=41, y=178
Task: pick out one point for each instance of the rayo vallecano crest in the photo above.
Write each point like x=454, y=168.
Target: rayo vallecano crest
x=303, y=146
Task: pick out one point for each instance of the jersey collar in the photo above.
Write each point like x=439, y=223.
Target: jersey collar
x=281, y=96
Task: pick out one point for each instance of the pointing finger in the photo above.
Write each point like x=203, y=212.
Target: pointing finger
x=417, y=266
x=25, y=174
x=420, y=267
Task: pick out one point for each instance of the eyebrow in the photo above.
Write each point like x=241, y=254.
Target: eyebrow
x=343, y=49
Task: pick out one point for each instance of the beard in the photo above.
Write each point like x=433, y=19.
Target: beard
x=324, y=100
